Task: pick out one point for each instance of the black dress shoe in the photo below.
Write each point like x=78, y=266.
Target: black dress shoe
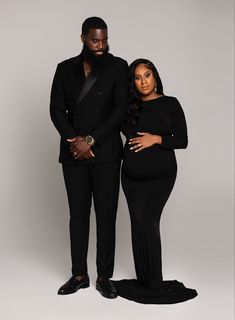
x=106, y=288
x=73, y=285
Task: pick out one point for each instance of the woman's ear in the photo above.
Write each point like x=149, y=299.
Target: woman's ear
x=82, y=38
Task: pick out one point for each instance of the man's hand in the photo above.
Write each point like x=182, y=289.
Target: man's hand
x=85, y=156
x=145, y=140
x=80, y=149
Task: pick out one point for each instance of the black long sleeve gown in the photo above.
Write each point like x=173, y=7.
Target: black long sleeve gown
x=148, y=177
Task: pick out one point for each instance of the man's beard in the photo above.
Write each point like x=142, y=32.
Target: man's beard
x=92, y=58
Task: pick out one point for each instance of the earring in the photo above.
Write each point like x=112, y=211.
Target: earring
x=155, y=88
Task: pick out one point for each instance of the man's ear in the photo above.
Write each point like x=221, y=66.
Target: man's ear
x=82, y=38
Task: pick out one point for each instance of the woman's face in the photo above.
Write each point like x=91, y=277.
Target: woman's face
x=145, y=82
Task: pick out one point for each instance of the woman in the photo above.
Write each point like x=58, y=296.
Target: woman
x=155, y=126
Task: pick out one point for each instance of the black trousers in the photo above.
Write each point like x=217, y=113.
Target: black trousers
x=146, y=200
x=102, y=182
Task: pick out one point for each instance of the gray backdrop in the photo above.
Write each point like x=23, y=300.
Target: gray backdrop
x=191, y=43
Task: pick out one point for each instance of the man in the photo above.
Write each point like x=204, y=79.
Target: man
x=88, y=105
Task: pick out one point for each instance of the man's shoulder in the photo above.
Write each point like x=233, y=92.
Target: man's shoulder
x=69, y=61
x=118, y=60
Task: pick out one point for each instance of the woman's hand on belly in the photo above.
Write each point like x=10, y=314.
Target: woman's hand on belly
x=145, y=140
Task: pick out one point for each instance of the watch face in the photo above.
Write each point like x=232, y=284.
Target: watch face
x=89, y=139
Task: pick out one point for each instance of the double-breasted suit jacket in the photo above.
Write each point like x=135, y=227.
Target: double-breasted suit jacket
x=95, y=105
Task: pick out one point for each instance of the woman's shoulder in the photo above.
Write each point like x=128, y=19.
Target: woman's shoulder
x=173, y=105
x=171, y=98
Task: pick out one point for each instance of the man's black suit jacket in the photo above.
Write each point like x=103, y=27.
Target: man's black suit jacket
x=96, y=106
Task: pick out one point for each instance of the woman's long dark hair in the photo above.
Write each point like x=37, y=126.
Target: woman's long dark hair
x=135, y=102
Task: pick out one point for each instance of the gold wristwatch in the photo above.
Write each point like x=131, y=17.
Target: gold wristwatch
x=90, y=140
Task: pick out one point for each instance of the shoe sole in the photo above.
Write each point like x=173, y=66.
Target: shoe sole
x=103, y=294
x=81, y=286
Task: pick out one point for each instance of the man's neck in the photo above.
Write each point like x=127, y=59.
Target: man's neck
x=87, y=68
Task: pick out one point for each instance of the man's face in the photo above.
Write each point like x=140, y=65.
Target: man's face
x=96, y=41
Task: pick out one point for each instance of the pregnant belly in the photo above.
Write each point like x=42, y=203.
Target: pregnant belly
x=148, y=163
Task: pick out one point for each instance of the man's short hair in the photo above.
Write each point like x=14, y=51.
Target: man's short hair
x=93, y=23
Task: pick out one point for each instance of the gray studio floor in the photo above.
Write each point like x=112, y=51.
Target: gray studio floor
x=29, y=284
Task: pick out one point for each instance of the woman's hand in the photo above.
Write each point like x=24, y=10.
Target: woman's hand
x=145, y=140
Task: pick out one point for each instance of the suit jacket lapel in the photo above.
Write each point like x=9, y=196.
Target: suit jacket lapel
x=79, y=74
x=90, y=81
